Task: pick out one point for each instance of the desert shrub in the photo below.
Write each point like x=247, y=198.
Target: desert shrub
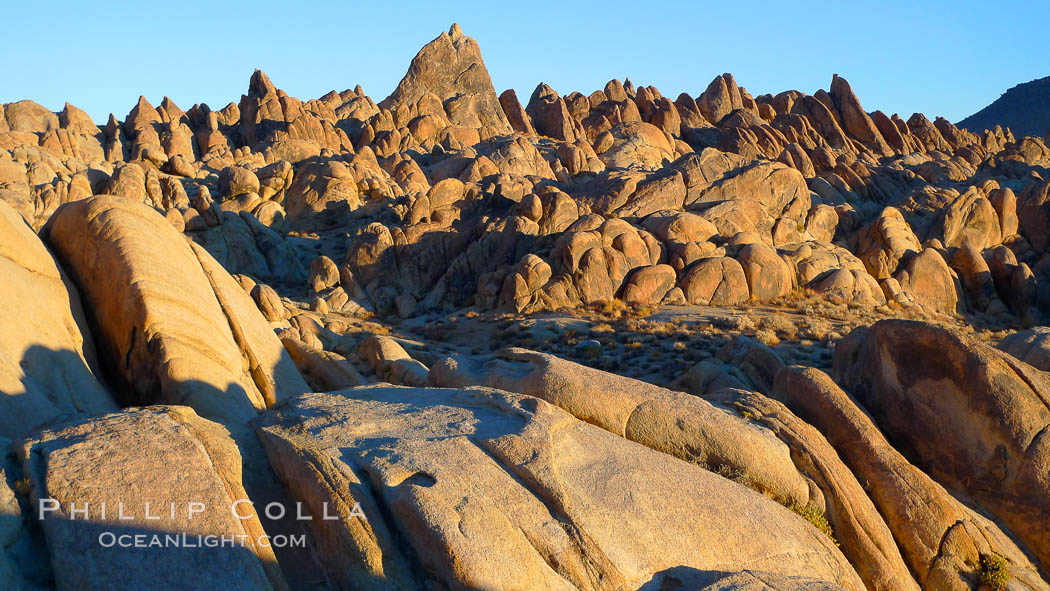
x=817, y=328
x=993, y=572
x=781, y=324
x=377, y=329
x=767, y=337
x=816, y=517
x=644, y=311
x=23, y=487
x=736, y=475
x=590, y=350
x=743, y=323
x=612, y=307
x=664, y=329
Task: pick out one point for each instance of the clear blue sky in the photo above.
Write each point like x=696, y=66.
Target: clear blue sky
x=940, y=58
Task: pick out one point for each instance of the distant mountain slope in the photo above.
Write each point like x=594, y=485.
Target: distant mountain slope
x=1025, y=109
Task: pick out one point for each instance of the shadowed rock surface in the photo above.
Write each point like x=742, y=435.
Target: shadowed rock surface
x=48, y=366
x=85, y=468
x=1023, y=108
x=974, y=417
x=940, y=538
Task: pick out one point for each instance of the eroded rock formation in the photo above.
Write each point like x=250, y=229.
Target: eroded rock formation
x=240, y=304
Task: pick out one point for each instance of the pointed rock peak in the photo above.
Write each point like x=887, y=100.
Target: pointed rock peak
x=721, y=98
x=451, y=68
x=685, y=99
x=67, y=110
x=76, y=119
x=171, y=110
x=143, y=112
x=825, y=98
x=112, y=127
x=718, y=85
x=260, y=86
x=614, y=91
x=919, y=120
x=854, y=119
x=515, y=113
x=840, y=88
x=543, y=91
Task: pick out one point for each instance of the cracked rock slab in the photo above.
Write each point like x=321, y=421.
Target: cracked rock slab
x=674, y=423
x=478, y=488
x=98, y=476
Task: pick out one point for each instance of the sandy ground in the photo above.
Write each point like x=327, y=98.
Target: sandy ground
x=659, y=344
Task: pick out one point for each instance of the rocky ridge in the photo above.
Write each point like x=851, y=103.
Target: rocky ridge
x=1025, y=108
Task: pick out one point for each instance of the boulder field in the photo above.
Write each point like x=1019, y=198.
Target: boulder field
x=446, y=194
x=212, y=324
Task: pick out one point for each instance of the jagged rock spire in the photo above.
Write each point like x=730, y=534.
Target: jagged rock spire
x=450, y=67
